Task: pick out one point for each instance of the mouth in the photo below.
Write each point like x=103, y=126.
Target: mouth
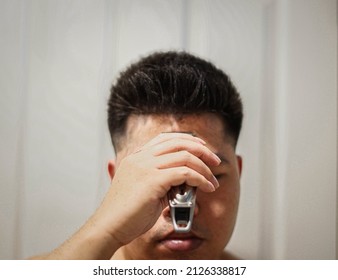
x=181, y=241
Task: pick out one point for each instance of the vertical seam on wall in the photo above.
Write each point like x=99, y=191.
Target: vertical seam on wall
x=265, y=245
x=185, y=25
x=337, y=135
x=109, y=56
x=22, y=130
x=281, y=129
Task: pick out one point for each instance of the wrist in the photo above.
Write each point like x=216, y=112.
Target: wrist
x=89, y=243
x=101, y=243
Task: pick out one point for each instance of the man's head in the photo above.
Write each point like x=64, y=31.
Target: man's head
x=175, y=84
x=177, y=92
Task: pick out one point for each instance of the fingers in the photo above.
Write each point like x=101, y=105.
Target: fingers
x=165, y=136
x=183, y=174
x=197, y=149
x=180, y=158
x=184, y=158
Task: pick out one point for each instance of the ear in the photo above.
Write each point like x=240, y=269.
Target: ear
x=111, y=169
x=239, y=164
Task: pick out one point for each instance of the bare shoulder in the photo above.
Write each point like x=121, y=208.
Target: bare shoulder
x=38, y=257
x=229, y=256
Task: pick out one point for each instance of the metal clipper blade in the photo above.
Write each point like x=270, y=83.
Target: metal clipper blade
x=182, y=204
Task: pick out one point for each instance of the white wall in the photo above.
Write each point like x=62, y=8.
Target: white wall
x=299, y=164
x=58, y=59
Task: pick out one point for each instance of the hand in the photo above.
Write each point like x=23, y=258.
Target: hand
x=139, y=188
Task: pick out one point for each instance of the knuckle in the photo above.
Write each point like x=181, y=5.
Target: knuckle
x=186, y=156
x=180, y=144
x=157, y=149
x=162, y=135
x=185, y=172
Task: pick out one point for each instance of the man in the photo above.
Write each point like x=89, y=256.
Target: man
x=196, y=102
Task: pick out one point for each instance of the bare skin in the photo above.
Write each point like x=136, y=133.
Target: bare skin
x=133, y=221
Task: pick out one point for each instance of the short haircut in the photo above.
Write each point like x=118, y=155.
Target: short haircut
x=174, y=83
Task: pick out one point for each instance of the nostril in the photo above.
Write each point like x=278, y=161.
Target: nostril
x=182, y=189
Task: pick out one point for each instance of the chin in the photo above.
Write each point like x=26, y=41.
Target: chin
x=155, y=253
x=163, y=253
x=174, y=256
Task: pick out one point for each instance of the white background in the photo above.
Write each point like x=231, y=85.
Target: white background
x=168, y=270
x=59, y=58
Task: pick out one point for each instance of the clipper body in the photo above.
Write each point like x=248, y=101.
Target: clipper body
x=182, y=204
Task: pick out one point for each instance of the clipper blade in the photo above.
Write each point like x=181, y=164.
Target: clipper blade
x=182, y=204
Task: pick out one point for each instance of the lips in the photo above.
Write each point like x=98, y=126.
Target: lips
x=181, y=242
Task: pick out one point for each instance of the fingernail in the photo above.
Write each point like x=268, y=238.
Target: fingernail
x=215, y=182
x=217, y=159
x=211, y=187
x=201, y=140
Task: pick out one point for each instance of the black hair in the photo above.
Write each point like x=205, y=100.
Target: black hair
x=173, y=83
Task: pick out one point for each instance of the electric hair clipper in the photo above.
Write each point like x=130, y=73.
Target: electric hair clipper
x=182, y=204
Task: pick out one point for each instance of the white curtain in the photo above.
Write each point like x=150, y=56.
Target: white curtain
x=59, y=58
